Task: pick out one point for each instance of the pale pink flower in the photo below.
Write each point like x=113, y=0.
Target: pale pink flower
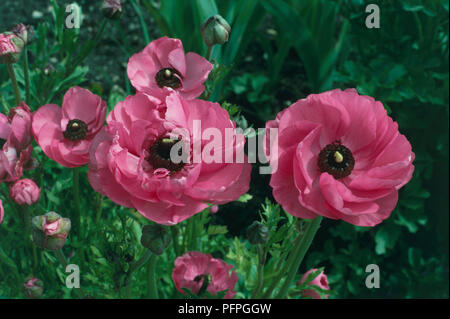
x=25, y=192
x=163, y=67
x=320, y=281
x=130, y=161
x=66, y=133
x=340, y=156
x=195, y=270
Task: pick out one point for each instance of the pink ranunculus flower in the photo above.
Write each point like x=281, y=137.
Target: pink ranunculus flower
x=340, y=156
x=15, y=143
x=132, y=165
x=197, y=271
x=65, y=133
x=25, y=192
x=2, y=211
x=320, y=281
x=163, y=67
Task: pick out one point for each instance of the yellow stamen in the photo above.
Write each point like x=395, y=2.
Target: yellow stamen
x=338, y=157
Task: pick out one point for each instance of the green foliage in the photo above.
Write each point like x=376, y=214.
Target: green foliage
x=278, y=52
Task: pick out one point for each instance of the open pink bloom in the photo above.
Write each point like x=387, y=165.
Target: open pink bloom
x=15, y=139
x=25, y=192
x=197, y=271
x=339, y=156
x=163, y=67
x=65, y=134
x=2, y=211
x=320, y=281
x=132, y=165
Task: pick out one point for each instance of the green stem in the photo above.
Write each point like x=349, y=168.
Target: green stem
x=151, y=278
x=141, y=20
x=61, y=258
x=76, y=197
x=135, y=266
x=299, y=253
x=208, y=53
x=261, y=262
x=281, y=273
x=176, y=247
x=27, y=221
x=99, y=208
x=26, y=75
x=84, y=55
x=14, y=82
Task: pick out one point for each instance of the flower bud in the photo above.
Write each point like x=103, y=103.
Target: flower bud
x=320, y=281
x=25, y=192
x=112, y=9
x=215, y=30
x=156, y=238
x=10, y=47
x=50, y=230
x=2, y=211
x=33, y=287
x=214, y=209
x=25, y=32
x=257, y=233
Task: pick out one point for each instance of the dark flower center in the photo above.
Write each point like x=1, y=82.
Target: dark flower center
x=2, y=142
x=206, y=281
x=336, y=159
x=168, y=77
x=75, y=130
x=159, y=155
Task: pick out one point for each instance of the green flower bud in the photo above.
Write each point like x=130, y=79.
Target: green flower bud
x=50, y=230
x=257, y=233
x=112, y=9
x=156, y=238
x=215, y=30
x=32, y=287
x=25, y=32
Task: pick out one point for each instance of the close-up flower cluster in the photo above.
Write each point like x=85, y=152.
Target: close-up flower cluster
x=133, y=137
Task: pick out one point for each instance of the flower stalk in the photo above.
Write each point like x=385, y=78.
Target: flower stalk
x=14, y=82
x=299, y=253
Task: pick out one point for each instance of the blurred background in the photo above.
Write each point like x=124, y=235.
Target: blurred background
x=280, y=51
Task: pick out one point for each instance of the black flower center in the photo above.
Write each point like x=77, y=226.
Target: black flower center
x=75, y=130
x=159, y=155
x=336, y=159
x=206, y=281
x=168, y=77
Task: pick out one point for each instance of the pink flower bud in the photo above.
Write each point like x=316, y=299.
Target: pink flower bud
x=20, y=119
x=214, y=209
x=33, y=287
x=25, y=192
x=320, y=281
x=112, y=9
x=50, y=230
x=2, y=211
x=10, y=47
